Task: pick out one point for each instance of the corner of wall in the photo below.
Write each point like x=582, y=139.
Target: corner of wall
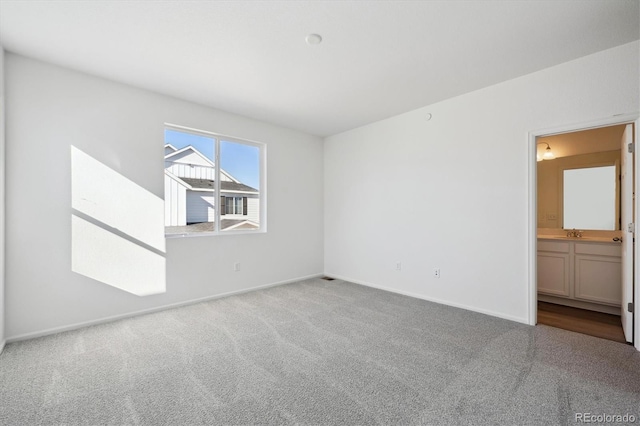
x=2, y=184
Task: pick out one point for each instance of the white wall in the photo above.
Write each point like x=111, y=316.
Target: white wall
x=51, y=109
x=455, y=192
x=2, y=202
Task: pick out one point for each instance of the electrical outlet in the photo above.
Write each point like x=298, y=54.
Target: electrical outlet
x=236, y=266
x=436, y=272
x=398, y=266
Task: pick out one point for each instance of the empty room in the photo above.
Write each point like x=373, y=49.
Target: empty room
x=319, y=212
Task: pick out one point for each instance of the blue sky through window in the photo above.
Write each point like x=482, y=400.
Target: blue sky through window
x=240, y=160
x=182, y=139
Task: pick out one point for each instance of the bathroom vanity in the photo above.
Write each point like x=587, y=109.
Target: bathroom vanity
x=580, y=272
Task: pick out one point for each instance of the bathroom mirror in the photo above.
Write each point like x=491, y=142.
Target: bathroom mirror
x=589, y=198
x=580, y=192
x=591, y=159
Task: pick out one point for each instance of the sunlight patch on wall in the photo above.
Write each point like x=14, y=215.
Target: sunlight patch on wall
x=107, y=196
x=113, y=260
x=117, y=228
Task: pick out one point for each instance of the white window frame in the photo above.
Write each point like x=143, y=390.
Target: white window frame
x=218, y=137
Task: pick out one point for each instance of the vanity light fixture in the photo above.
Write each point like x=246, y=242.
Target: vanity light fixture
x=548, y=154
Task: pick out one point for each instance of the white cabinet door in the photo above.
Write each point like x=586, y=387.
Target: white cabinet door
x=553, y=274
x=597, y=279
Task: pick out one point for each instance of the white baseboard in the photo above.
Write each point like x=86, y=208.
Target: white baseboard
x=2, y=343
x=611, y=310
x=434, y=300
x=104, y=320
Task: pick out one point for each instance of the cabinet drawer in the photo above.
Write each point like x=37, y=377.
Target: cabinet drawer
x=554, y=246
x=599, y=249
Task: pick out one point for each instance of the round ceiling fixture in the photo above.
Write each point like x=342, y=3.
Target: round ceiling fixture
x=313, y=39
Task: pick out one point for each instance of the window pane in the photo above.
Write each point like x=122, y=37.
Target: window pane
x=189, y=188
x=229, y=205
x=240, y=178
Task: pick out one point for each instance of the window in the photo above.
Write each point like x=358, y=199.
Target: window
x=201, y=198
x=235, y=205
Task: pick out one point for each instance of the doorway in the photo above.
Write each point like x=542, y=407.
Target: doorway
x=576, y=274
x=585, y=321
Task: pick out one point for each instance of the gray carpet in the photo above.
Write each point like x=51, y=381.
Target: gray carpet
x=316, y=352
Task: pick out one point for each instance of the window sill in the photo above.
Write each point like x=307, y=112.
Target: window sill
x=214, y=234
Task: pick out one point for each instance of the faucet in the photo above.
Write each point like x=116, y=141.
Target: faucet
x=575, y=234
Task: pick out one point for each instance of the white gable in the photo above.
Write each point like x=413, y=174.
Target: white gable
x=168, y=149
x=189, y=155
x=189, y=162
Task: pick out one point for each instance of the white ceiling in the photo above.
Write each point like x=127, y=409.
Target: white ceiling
x=377, y=58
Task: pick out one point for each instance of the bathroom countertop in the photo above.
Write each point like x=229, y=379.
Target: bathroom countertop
x=586, y=239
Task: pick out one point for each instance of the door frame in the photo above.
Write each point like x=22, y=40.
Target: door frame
x=629, y=118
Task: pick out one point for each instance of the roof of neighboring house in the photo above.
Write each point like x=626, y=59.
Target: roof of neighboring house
x=227, y=225
x=224, y=185
x=245, y=224
x=178, y=152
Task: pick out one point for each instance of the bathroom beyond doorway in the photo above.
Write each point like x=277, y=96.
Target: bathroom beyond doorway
x=575, y=279
x=598, y=324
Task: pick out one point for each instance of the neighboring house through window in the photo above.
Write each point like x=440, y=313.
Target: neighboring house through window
x=192, y=182
x=235, y=205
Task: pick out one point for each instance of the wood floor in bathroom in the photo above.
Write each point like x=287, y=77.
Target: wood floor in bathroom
x=596, y=324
